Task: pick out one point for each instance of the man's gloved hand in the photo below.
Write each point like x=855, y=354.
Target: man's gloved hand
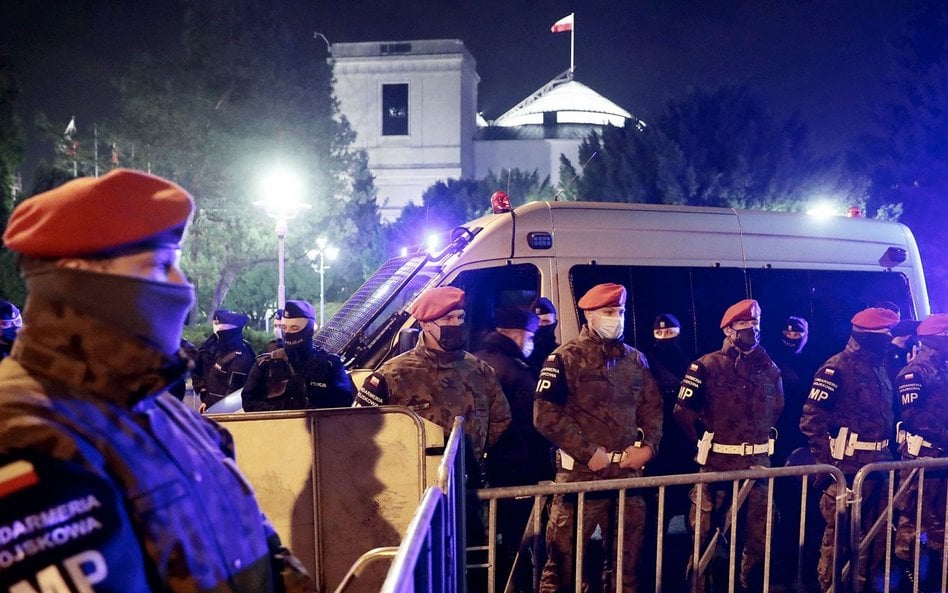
x=636, y=457
x=599, y=461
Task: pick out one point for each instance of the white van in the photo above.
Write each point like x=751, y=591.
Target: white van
x=692, y=262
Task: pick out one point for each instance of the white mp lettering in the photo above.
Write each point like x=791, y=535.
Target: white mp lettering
x=543, y=385
x=50, y=580
x=908, y=398
x=86, y=569
x=685, y=392
x=818, y=394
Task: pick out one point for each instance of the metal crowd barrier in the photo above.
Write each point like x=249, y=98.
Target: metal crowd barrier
x=431, y=557
x=655, y=487
x=899, y=479
x=791, y=550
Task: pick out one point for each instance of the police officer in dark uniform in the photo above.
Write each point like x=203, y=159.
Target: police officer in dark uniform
x=521, y=456
x=544, y=339
x=224, y=359
x=922, y=390
x=10, y=322
x=796, y=371
x=848, y=421
x=299, y=375
x=728, y=402
x=107, y=483
x=597, y=401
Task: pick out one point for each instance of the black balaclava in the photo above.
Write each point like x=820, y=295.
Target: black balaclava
x=872, y=342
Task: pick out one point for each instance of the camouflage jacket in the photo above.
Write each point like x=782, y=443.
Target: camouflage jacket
x=289, y=380
x=923, y=393
x=106, y=489
x=738, y=397
x=592, y=394
x=439, y=386
x=851, y=390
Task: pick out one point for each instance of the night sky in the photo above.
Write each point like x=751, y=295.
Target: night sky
x=825, y=60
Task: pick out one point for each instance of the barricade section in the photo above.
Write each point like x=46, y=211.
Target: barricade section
x=337, y=483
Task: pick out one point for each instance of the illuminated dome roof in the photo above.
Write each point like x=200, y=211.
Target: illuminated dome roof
x=571, y=101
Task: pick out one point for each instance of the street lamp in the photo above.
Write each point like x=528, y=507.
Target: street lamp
x=318, y=257
x=282, y=201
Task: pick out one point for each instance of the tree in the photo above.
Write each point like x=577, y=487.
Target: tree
x=907, y=160
x=11, y=153
x=449, y=204
x=243, y=96
x=712, y=149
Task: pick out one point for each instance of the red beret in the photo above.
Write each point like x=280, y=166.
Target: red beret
x=875, y=318
x=745, y=310
x=99, y=216
x=603, y=295
x=934, y=325
x=435, y=303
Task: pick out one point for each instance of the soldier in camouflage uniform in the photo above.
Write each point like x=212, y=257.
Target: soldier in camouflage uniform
x=595, y=400
x=299, y=375
x=730, y=399
x=922, y=389
x=107, y=483
x=438, y=379
x=848, y=421
x=223, y=360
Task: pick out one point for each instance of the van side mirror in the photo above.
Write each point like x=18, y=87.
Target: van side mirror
x=407, y=338
x=892, y=257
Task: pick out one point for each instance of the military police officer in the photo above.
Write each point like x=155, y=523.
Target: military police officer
x=107, y=483
x=224, y=359
x=923, y=393
x=597, y=401
x=299, y=375
x=438, y=379
x=728, y=402
x=848, y=421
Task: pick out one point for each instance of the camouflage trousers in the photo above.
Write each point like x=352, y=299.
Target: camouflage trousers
x=715, y=503
x=873, y=504
x=559, y=574
x=932, y=510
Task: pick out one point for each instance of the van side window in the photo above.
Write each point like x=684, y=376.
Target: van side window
x=699, y=296
x=827, y=299
x=486, y=289
x=696, y=296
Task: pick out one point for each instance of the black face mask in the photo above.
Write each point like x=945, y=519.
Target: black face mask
x=747, y=339
x=872, y=342
x=667, y=345
x=8, y=334
x=794, y=346
x=545, y=334
x=453, y=337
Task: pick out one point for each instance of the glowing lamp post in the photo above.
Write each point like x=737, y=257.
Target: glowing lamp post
x=318, y=258
x=282, y=201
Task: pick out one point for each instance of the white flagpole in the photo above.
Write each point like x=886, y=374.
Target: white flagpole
x=572, y=44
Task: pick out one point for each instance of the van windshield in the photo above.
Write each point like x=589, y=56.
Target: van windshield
x=387, y=292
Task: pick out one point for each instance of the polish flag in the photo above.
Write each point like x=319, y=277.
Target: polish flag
x=17, y=476
x=563, y=25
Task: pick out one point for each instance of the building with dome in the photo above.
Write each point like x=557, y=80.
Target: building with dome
x=413, y=106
